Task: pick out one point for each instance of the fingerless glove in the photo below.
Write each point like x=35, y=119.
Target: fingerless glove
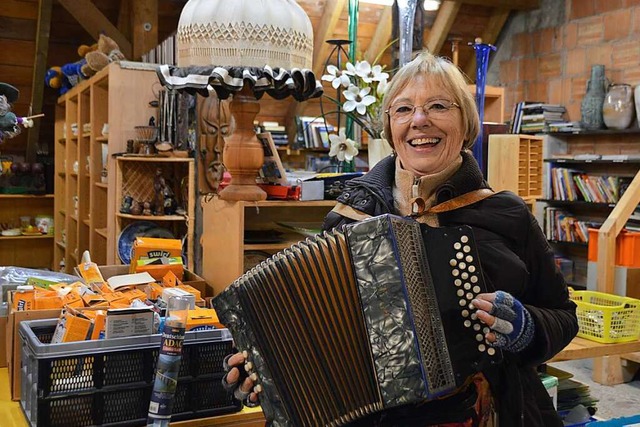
x=514, y=327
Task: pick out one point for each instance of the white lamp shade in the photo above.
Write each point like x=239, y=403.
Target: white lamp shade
x=247, y=33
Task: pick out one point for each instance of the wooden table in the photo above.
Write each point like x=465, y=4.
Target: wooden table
x=609, y=360
x=581, y=348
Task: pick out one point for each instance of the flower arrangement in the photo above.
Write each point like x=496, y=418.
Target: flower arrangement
x=363, y=87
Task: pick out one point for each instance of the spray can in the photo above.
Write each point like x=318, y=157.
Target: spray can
x=168, y=366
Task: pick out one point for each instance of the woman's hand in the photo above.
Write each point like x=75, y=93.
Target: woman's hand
x=511, y=325
x=240, y=379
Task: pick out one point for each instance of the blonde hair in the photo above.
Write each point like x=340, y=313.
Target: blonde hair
x=445, y=74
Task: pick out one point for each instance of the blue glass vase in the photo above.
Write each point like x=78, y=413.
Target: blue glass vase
x=482, y=62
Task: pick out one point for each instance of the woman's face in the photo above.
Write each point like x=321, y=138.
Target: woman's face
x=427, y=144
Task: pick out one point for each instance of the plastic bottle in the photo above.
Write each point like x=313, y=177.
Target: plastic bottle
x=168, y=366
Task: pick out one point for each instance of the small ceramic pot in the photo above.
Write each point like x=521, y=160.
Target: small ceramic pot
x=618, y=109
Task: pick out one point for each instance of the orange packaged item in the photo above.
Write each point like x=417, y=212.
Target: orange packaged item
x=95, y=301
x=135, y=293
x=99, y=321
x=158, y=268
x=90, y=272
x=23, y=298
x=150, y=247
x=72, y=326
x=47, y=302
x=73, y=299
x=154, y=291
x=114, y=296
x=202, y=319
x=193, y=291
x=170, y=280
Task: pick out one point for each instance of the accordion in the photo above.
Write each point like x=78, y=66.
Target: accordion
x=360, y=319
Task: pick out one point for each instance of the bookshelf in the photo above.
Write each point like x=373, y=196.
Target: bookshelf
x=572, y=155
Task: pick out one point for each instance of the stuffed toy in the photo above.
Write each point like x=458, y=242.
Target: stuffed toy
x=67, y=76
x=107, y=52
x=9, y=122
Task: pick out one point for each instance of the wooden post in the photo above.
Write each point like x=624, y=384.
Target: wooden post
x=39, y=70
x=609, y=232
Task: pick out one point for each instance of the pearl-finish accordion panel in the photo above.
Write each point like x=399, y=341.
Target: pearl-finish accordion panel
x=355, y=321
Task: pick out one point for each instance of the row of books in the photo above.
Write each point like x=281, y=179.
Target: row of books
x=278, y=132
x=535, y=117
x=313, y=132
x=571, y=185
x=561, y=226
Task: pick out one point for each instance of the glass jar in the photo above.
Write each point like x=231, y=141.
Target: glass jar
x=618, y=108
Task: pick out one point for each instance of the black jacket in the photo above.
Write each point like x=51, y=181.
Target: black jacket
x=515, y=258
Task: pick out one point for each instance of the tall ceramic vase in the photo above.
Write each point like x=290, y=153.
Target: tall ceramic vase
x=591, y=107
x=482, y=62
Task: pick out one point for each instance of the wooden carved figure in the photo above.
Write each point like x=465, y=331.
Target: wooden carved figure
x=216, y=123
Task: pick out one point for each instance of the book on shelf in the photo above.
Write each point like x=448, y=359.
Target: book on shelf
x=535, y=116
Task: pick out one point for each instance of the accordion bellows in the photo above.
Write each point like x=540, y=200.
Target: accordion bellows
x=249, y=33
x=355, y=321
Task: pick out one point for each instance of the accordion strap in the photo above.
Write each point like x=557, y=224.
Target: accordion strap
x=452, y=204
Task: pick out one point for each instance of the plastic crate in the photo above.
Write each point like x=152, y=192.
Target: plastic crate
x=109, y=382
x=627, y=248
x=607, y=318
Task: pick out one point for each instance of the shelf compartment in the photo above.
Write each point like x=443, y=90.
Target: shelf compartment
x=61, y=245
x=152, y=217
x=101, y=185
x=87, y=222
x=42, y=236
x=101, y=232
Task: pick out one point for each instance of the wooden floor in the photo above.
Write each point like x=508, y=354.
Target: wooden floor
x=10, y=412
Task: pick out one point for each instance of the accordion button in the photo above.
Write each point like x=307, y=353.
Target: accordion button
x=472, y=269
x=463, y=302
x=474, y=279
x=457, y=246
x=482, y=347
x=476, y=289
x=460, y=292
x=476, y=327
x=491, y=351
x=472, y=307
x=469, y=295
x=479, y=337
x=467, y=323
x=459, y=255
x=455, y=272
x=464, y=239
x=469, y=258
x=465, y=313
x=462, y=266
x=464, y=276
x=466, y=249
x=473, y=315
x=453, y=262
x=485, y=330
x=467, y=286
x=457, y=282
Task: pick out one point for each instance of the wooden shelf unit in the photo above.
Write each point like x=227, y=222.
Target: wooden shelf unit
x=558, y=150
x=224, y=226
x=515, y=164
x=118, y=96
x=26, y=251
x=135, y=177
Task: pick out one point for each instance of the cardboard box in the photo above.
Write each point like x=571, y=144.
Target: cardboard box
x=14, y=348
x=3, y=341
x=189, y=278
x=150, y=247
x=128, y=322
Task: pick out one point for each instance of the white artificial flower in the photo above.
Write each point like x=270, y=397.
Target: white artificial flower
x=350, y=69
x=342, y=147
x=382, y=87
x=363, y=70
x=358, y=99
x=378, y=75
x=336, y=77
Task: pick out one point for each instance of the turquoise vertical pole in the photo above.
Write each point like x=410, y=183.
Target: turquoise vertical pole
x=353, y=38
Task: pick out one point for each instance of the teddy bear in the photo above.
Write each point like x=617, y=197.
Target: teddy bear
x=107, y=52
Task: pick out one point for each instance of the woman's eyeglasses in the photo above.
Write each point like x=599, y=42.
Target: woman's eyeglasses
x=402, y=113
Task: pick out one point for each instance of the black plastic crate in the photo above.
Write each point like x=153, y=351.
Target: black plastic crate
x=109, y=382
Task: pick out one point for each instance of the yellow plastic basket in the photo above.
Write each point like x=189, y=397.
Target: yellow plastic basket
x=607, y=318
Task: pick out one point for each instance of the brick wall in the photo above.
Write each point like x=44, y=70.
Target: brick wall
x=553, y=64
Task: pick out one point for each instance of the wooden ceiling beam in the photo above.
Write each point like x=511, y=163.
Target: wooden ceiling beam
x=144, y=25
x=442, y=25
x=39, y=69
x=95, y=23
x=332, y=11
x=490, y=35
x=381, y=36
x=509, y=4
x=124, y=18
